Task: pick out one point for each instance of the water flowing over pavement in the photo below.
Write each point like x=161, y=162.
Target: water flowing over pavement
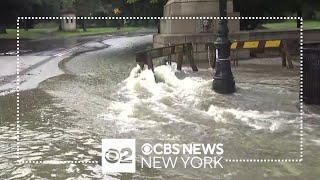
x=103, y=94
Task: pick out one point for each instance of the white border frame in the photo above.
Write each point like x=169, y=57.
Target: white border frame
x=299, y=159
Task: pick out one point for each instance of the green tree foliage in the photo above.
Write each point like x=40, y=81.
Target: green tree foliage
x=274, y=8
x=11, y=9
x=146, y=7
x=67, y=4
x=148, y=1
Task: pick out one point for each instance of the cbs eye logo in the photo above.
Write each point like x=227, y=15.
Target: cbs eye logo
x=118, y=155
x=114, y=156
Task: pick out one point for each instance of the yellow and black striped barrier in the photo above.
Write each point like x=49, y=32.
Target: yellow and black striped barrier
x=256, y=44
x=261, y=44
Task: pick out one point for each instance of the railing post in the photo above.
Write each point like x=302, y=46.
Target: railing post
x=179, y=61
x=190, y=57
x=149, y=62
x=212, y=62
x=284, y=55
x=141, y=59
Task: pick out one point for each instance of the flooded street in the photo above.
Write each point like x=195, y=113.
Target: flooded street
x=103, y=94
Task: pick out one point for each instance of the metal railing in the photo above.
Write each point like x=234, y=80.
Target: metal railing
x=146, y=57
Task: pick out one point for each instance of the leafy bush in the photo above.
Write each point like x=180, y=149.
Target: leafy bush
x=46, y=25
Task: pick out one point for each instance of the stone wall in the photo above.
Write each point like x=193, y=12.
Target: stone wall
x=195, y=30
x=195, y=8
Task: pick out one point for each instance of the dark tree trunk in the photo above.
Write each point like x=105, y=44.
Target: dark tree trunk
x=118, y=24
x=26, y=26
x=158, y=25
x=84, y=26
x=3, y=29
x=299, y=15
x=60, y=25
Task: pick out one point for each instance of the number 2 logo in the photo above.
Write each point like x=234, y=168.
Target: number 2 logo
x=113, y=155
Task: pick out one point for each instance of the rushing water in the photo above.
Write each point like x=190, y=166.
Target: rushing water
x=104, y=95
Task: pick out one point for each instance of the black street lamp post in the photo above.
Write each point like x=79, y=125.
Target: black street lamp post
x=223, y=79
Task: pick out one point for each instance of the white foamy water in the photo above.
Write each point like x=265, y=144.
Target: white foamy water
x=149, y=98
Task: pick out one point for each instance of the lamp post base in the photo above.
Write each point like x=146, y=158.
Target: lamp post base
x=224, y=86
x=223, y=82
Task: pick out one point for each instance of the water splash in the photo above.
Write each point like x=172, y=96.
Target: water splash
x=147, y=96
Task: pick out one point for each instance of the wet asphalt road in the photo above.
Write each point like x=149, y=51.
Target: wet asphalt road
x=65, y=118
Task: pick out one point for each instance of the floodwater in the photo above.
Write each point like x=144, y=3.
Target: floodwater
x=104, y=95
